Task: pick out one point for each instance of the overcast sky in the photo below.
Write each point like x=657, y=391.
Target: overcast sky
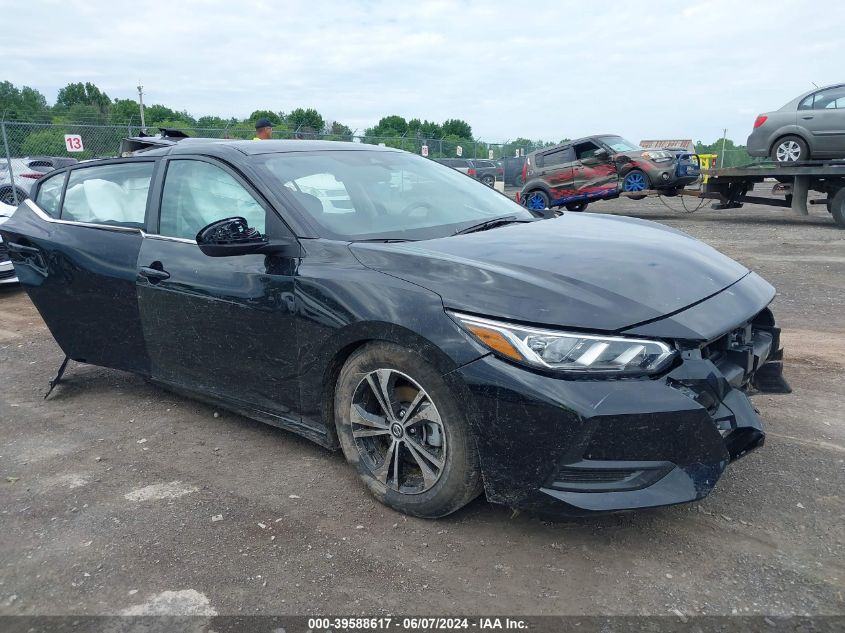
x=646, y=69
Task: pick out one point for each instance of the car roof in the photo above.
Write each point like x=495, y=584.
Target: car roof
x=804, y=95
x=573, y=142
x=164, y=145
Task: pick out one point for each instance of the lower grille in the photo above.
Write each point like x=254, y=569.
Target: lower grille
x=591, y=475
x=7, y=274
x=4, y=253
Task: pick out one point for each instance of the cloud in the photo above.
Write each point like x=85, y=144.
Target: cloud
x=539, y=69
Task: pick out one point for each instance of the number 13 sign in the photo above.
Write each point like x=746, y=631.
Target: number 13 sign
x=73, y=143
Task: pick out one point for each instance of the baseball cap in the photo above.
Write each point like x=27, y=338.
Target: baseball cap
x=263, y=122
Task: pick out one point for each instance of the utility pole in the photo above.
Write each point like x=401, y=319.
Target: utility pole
x=722, y=157
x=141, y=104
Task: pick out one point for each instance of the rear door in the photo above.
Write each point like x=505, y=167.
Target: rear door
x=555, y=167
x=75, y=249
x=222, y=326
x=594, y=177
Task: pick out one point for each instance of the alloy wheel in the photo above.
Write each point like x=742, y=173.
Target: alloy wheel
x=536, y=201
x=788, y=152
x=635, y=181
x=398, y=431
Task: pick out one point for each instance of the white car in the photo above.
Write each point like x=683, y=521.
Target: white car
x=7, y=271
x=26, y=171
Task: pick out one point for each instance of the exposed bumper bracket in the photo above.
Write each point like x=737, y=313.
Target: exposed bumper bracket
x=58, y=377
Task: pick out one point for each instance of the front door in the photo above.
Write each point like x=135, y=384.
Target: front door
x=594, y=177
x=220, y=326
x=823, y=116
x=75, y=248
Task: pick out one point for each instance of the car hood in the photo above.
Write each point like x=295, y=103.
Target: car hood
x=596, y=272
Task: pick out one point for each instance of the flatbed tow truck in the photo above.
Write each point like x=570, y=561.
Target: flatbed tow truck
x=731, y=186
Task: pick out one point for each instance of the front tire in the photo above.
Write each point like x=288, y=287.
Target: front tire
x=536, y=200
x=790, y=149
x=636, y=180
x=404, y=433
x=576, y=206
x=488, y=180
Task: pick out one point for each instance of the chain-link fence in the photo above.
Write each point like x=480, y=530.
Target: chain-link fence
x=31, y=149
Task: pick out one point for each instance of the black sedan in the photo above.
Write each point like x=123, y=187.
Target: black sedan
x=442, y=336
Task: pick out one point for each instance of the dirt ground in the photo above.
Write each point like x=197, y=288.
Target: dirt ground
x=119, y=497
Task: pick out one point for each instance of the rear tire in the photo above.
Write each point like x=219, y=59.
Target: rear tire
x=419, y=457
x=790, y=149
x=837, y=208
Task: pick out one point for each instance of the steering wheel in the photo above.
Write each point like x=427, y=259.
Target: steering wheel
x=413, y=206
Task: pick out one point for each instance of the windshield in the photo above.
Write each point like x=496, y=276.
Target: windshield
x=619, y=144
x=359, y=195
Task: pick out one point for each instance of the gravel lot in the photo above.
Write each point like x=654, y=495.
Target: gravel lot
x=119, y=497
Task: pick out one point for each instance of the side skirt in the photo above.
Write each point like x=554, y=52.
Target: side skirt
x=289, y=424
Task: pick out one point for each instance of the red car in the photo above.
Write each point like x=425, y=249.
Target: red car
x=574, y=173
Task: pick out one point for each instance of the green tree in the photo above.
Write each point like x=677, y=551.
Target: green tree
x=425, y=129
x=156, y=113
x=47, y=142
x=306, y=120
x=275, y=119
x=125, y=111
x=393, y=125
x=457, y=127
x=734, y=155
x=339, y=129
x=83, y=94
x=24, y=104
x=211, y=121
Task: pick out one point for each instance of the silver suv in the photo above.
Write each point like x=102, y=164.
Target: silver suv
x=809, y=126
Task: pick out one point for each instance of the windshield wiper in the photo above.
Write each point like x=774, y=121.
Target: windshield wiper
x=489, y=224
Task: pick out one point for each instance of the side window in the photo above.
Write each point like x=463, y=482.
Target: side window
x=827, y=99
x=806, y=103
x=586, y=150
x=110, y=194
x=50, y=194
x=559, y=157
x=831, y=99
x=197, y=193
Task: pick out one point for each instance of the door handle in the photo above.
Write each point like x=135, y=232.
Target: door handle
x=810, y=116
x=154, y=274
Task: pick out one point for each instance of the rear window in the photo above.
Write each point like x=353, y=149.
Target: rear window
x=109, y=194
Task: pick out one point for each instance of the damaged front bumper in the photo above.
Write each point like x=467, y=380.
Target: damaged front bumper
x=575, y=447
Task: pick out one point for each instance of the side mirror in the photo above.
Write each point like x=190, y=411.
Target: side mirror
x=601, y=154
x=234, y=236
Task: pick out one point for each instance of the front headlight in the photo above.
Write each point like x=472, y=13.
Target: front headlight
x=568, y=351
x=658, y=156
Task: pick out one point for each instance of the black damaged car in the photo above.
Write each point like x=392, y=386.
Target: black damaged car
x=442, y=336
